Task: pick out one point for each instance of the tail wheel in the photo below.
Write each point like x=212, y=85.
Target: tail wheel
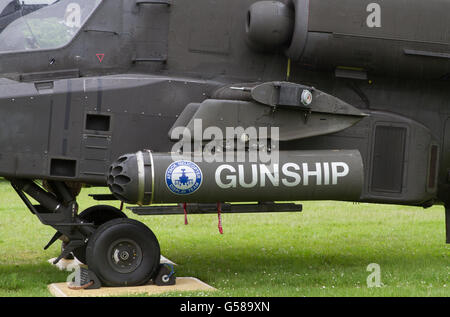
x=98, y=215
x=123, y=252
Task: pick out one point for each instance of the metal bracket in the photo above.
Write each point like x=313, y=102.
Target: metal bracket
x=212, y=208
x=58, y=210
x=70, y=247
x=55, y=238
x=161, y=59
x=157, y=2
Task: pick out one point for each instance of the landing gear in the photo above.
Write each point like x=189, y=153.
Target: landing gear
x=123, y=252
x=120, y=251
x=97, y=215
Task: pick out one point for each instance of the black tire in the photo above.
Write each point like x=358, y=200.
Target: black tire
x=98, y=215
x=101, y=214
x=123, y=252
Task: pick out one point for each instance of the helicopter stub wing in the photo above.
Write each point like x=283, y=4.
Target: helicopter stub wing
x=298, y=111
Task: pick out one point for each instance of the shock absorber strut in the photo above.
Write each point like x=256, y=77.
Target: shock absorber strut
x=58, y=209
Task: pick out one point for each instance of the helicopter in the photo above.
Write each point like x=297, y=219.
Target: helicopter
x=210, y=104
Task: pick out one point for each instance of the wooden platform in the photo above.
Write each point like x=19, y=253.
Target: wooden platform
x=183, y=284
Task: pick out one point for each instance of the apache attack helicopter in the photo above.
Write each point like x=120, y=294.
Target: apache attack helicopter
x=205, y=103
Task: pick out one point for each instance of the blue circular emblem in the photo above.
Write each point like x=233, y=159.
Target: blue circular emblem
x=183, y=177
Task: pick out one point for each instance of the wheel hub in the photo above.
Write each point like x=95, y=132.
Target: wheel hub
x=125, y=256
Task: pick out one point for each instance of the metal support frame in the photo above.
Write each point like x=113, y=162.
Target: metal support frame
x=265, y=207
x=58, y=210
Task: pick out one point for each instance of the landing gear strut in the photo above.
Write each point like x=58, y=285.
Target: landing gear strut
x=120, y=251
x=58, y=209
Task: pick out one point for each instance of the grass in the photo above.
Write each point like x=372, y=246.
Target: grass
x=323, y=251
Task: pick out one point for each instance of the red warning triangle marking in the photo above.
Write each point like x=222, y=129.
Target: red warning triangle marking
x=100, y=57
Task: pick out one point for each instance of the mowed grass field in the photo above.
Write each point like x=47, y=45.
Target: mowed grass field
x=323, y=251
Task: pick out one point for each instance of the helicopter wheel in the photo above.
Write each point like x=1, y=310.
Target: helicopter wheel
x=123, y=252
x=98, y=215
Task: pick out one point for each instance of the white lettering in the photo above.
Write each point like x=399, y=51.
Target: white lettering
x=73, y=15
x=262, y=175
x=181, y=149
x=374, y=18
x=254, y=180
x=274, y=178
x=336, y=174
x=374, y=279
x=198, y=140
x=231, y=178
x=191, y=307
x=307, y=173
x=326, y=173
x=294, y=175
x=213, y=149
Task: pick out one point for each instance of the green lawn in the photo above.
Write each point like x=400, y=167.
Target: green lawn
x=323, y=251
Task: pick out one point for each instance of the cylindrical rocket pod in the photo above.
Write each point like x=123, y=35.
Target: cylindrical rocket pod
x=145, y=178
